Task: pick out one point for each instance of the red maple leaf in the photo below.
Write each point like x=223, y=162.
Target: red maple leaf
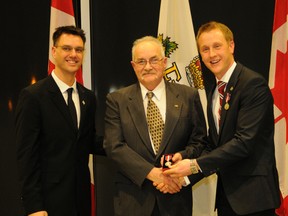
x=282, y=210
x=280, y=90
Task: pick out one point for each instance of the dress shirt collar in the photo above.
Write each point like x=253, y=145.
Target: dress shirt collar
x=158, y=91
x=63, y=86
x=228, y=74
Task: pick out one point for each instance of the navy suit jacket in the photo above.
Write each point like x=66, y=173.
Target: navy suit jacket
x=127, y=143
x=52, y=154
x=243, y=153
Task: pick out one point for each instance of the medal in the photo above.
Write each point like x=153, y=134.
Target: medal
x=167, y=161
x=226, y=106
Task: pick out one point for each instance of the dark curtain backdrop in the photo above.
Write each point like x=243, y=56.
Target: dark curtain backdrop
x=114, y=26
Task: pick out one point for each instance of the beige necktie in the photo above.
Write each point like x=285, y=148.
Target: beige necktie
x=155, y=122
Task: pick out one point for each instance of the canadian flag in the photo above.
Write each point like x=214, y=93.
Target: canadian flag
x=62, y=13
x=278, y=79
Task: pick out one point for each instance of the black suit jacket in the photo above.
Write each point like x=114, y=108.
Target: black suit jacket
x=127, y=142
x=52, y=153
x=243, y=153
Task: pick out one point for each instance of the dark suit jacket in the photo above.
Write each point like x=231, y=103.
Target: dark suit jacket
x=127, y=142
x=52, y=153
x=243, y=153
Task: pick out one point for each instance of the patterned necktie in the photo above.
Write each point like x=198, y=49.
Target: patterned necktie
x=221, y=87
x=155, y=122
x=71, y=106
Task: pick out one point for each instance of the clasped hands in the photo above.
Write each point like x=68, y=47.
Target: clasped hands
x=172, y=179
x=39, y=213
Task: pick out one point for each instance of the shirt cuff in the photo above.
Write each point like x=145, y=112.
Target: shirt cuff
x=187, y=181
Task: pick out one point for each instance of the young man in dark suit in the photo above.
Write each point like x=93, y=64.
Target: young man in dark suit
x=241, y=132
x=53, y=144
x=130, y=143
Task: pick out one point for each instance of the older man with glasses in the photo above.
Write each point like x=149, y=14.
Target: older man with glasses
x=145, y=121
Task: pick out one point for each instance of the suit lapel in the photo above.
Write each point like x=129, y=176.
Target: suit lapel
x=137, y=112
x=83, y=100
x=212, y=126
x=228, y=96
x=173, y=111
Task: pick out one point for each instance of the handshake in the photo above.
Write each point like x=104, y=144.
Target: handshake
x=173, y=174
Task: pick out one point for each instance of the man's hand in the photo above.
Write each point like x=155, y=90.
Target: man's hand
x=165, y=184
x=180, y=169
x=39, y=213
x=164, y=189
x=176, y=158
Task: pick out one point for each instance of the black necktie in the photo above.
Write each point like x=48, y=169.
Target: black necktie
x=71, y=106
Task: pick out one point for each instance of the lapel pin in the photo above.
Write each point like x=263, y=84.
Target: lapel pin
x=83, y=102
x=176, y=105
x=231, y=88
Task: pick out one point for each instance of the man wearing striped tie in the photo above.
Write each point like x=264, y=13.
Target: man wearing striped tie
x=241, y=142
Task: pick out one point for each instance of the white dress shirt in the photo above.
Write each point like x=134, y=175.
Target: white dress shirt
x=159, y=99
x=75, y=96
x=216, y=99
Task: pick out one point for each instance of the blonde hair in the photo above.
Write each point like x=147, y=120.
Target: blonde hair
x=215, y=25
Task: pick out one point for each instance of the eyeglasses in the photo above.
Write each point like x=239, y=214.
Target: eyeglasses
x=152, y=62
x=69, y=49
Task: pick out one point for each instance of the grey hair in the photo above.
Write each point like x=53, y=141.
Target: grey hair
x=148, y=39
